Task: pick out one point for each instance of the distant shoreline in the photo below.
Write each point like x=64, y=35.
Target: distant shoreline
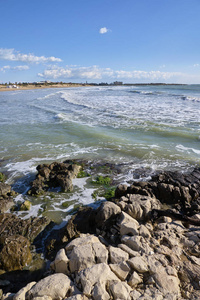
x=37, y=87
x=4, y=88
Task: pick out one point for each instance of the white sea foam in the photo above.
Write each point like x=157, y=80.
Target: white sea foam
x=33, y=212
x=49, y=96
x=188, y=149
x=191, y=98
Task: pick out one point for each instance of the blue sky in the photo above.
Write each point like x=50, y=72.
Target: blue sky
x=97, y=41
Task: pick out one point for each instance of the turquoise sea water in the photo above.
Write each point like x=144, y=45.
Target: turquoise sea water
x=154, y=127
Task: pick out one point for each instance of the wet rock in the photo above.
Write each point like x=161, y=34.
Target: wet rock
x=55, y=175
x=6, y=199
x=5, y=189
x=26, y=205
x=15, y=253
x=30, y=228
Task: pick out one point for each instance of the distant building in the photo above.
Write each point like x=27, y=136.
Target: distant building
x=14, y=86
x=118, y=83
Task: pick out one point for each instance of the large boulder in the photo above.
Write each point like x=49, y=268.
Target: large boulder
x=106, y=212
x=84, y=252
x=30, y=228
x=54, y=175
x=15, y=253
x=56, y=286
x=97, y=273
x=6, y=199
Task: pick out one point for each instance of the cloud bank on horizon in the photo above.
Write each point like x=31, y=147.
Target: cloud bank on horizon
x=93, y=73
x=96, y=73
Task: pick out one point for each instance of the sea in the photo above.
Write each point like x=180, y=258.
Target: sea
x=147, y=127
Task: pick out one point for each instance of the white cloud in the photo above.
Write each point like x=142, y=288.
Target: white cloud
x=103, y=30
x=17, y=68
x=196, y=65
x=94, y=72
x=13, y=55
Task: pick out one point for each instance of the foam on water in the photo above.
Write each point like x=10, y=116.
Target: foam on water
x=152, y=127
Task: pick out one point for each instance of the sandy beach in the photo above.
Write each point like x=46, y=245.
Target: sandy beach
x=4, y=88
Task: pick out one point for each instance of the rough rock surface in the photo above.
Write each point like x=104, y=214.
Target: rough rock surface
x=54, y=175
x=130, y=253
x=15, y=253
x=6, y=197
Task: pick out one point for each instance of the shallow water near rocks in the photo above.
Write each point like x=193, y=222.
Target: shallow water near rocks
x=143, y=127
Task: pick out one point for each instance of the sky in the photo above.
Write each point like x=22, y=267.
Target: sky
x=134, y=41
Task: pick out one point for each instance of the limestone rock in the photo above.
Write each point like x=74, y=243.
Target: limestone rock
x=56, y=286
x=117, y=255
x=120, y=290
x=60, y=264
x=99, y=292
x=141, y=206
x=126, y=218
x=127, y=249
x=101, y=253
x=143, y=231
x=134, y=242
x=134, y=280
x=84, y=252
x=166, y=283
x=22, y=293
x=81, y=257
x=97, y=273
x=129, y=228
x=139, y=264
x=84, y=239
x=121, y=270
x=105, y=212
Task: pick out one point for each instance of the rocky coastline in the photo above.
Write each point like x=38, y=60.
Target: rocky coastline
x=142, y=243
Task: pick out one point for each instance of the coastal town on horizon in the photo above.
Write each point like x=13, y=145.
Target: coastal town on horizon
x=60, y=84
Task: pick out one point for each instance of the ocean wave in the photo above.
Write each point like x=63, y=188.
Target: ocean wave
x=187, y=149
x=190, y=98
x=49, y=96
x=148, y=93
x=67, y=97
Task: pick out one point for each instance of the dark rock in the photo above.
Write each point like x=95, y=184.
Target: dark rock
x=6, y=197
x=121, y=190
x=5, y=189
x=15, y=253
x=55, y=175
x=6, y=204
x=107, y=211
x=12, y=225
